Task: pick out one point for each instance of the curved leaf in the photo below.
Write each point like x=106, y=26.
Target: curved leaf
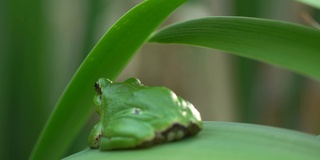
x=107, y=59
x=287, y=45
x=227, y=141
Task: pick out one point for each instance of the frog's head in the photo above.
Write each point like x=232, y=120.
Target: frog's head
x=99, y=87
x=133, y=82
x=108, y=90
x=106, y=85
x=101, y=84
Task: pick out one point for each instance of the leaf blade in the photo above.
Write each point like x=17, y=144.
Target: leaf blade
x=279, y=43
x=224, y=140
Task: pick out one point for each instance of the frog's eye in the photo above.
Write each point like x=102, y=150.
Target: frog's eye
x=97, y=88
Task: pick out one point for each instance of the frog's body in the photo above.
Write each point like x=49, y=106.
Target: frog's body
x=133, y=116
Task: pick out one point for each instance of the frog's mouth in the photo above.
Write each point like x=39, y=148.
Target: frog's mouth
x=174, y=133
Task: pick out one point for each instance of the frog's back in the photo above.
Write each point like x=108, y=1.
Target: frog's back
x=165, y=107
x=172, y=117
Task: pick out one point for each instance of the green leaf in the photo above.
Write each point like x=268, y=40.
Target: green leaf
x=107, y=59
x=287, y=45
x=227, y=141
x=313, y=3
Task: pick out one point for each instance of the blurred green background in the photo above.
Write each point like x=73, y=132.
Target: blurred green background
x=42, y=43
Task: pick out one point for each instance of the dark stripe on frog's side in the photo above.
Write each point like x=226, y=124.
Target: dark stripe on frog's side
x=166, y=135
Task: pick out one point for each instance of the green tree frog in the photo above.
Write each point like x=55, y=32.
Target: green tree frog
x=133, y=115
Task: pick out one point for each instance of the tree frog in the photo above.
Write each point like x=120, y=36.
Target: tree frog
x=133, y=115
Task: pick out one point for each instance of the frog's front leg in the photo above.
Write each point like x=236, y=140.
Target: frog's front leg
x=95, y=136
x=126, y=133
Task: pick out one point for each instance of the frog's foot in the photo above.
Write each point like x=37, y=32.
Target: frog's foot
x=174, y=133
x=114, y=143
x=95, y=136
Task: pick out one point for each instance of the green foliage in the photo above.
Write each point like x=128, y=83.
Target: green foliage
x=283, y=44
x=269, y=41
x=23, y=79
x=224, y=140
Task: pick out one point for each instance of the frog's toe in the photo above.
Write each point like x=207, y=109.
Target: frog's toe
x=114, y=143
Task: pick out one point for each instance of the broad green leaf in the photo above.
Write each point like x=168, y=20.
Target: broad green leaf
x=107, y=59
x=225, y=141
x=313, y=3
x=287, y=45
